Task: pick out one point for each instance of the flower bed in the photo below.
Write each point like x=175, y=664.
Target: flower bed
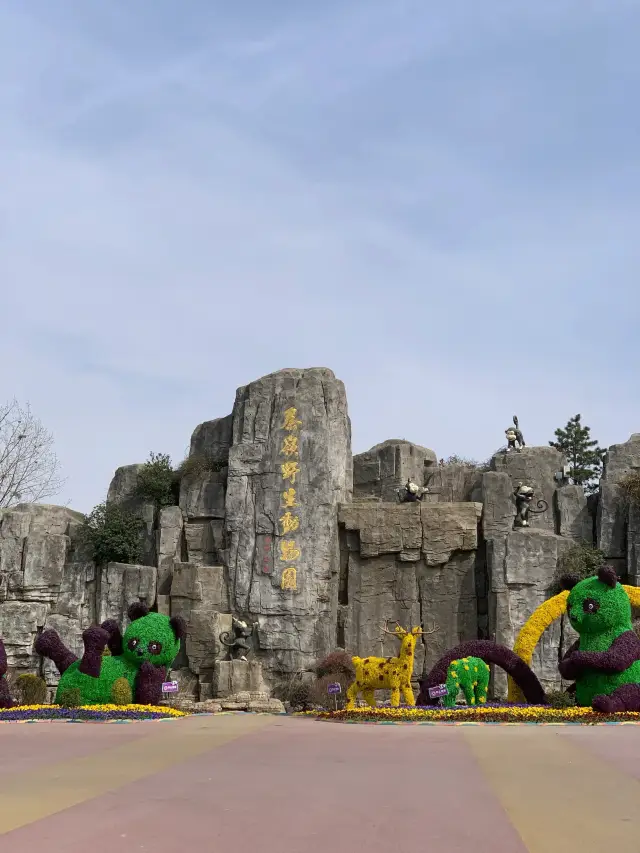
x=89, y=713
x=484, y=714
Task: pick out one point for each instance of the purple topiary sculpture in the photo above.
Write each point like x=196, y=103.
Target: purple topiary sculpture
x=491, y=653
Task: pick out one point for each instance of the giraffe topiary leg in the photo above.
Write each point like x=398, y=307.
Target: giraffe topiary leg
x=369, y=696
x=407, y=693
x=352, y=695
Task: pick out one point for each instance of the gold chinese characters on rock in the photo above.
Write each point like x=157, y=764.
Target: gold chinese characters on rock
x=289, y=520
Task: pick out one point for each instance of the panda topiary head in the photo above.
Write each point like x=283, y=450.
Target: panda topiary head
x=599, y=604
x=152, y=637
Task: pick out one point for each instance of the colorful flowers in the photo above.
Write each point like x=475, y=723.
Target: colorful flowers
x=88, y=713
x=483, y=714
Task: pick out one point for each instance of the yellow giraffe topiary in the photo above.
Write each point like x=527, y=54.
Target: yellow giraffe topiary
x=387, y=673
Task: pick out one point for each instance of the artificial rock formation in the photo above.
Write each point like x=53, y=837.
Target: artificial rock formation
x=282, y=528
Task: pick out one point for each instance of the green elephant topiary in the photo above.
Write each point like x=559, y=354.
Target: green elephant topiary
x=605, y=661
x=141, y=658
x=471, y=675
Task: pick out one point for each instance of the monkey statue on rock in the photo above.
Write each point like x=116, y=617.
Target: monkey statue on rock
x=412, y=492
x=515, y=440
x=524, y=497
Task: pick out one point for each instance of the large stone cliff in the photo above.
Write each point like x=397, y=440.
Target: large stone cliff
x=293, y=534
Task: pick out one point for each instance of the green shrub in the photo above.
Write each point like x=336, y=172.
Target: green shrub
x=300, y=696
x=337, y=663
x=69, y=698
x=629, y=486
x=121, y=692
x=295, y=691
x=581, y=561
x=114, y=534
x=561, y=699
x=200, y=464
x=320, y=696
x=156, y=480
x=31, y=689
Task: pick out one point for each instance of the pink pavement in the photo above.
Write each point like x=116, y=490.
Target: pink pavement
x=296, y=786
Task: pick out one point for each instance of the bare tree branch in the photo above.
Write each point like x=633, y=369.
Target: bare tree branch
x=29, y=467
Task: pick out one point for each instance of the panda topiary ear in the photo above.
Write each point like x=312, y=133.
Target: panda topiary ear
x=568, y=582
x=137, y=610
x=607, y=574
x=179, y=627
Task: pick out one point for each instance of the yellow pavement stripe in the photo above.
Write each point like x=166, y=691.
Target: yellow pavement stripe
x=45, y=790
x=560, y=798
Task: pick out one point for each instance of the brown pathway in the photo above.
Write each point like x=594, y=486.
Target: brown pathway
x=248, y=782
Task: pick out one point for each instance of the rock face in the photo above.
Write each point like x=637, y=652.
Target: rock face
x=387, y=466
x=521, y=563
x=414, y=563
x=290, y=466
x=453, y=483
x=277, y=525
x=45, y=579
x=613, y=511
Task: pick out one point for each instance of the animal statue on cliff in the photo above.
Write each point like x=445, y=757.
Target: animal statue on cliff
x=393, y=674
x=236, y=639
x=471, y=675
x=5, y=695
x=139, y=660
x=515, y=440
x=411, y=492
x=605, y=661
x=524, y=498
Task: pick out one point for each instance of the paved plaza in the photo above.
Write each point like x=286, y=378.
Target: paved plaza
x=290, y=785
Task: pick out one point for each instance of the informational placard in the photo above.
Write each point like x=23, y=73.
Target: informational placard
x=170, y=687
x=334, y=688
x=437, y=691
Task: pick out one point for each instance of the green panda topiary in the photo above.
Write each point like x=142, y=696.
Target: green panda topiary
x=150, y=645
x=605, y=661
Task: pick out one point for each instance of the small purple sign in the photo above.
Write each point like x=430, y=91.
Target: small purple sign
x=334, y=688
x=170, y=687
x=438, y=690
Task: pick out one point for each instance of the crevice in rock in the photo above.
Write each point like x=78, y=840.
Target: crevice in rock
x=343, y=577
x=482, y=586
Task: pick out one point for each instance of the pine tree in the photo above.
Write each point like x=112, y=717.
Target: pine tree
x=582, y=453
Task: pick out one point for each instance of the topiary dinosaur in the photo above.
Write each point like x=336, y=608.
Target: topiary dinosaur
x=5, y=696
x=150, y=645
x=605, y=661
x=471, y=675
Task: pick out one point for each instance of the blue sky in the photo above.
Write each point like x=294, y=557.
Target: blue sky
x=439, y=201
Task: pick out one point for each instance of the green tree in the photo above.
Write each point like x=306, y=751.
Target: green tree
x=113, y=534
x=157, y=480
x=583, y=455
